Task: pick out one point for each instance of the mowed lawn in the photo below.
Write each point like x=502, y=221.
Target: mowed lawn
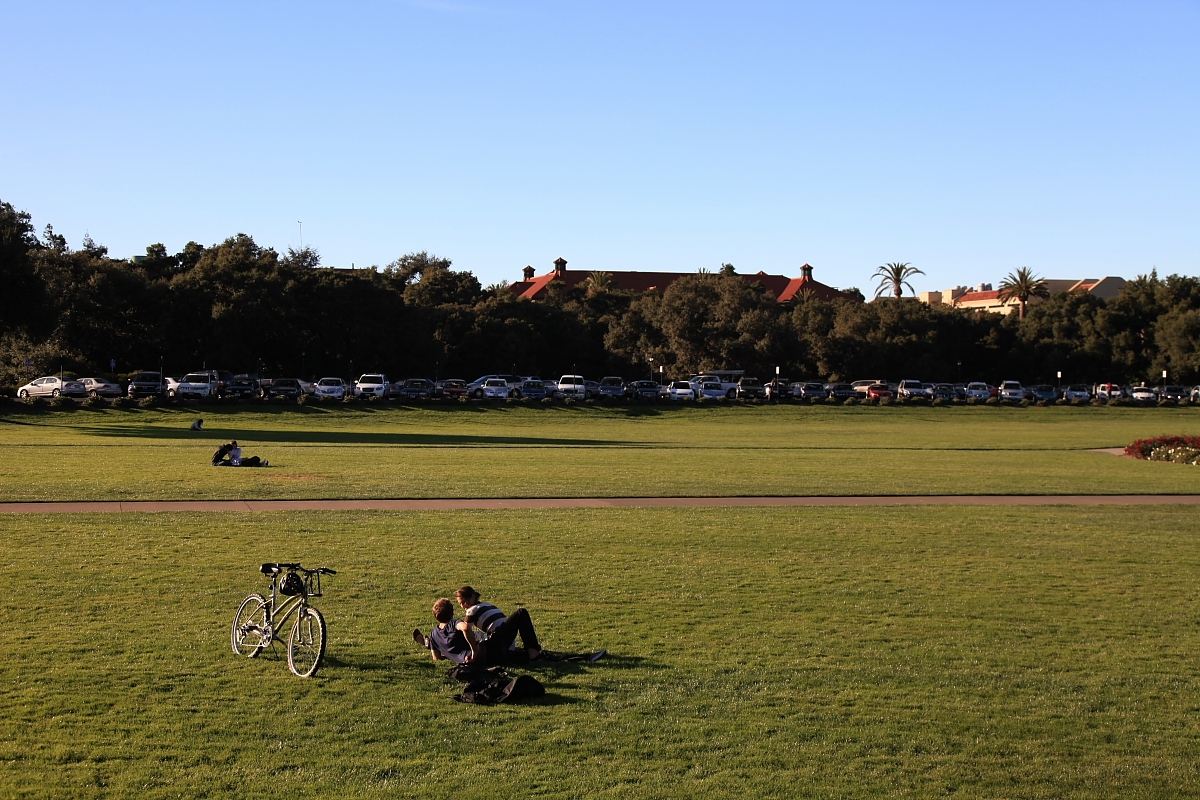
x=514, y=451
x=898, y=652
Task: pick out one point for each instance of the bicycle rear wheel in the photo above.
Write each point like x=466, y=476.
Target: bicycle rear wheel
x=306, y=643
x=249, y=627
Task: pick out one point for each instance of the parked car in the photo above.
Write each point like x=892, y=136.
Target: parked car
x=978, y=390
x=146, y=384
x=496, y=389
x=612, y=387
x=1012, y=391
x=99, y=387
x=573, y=386
x=413, y=389
x=172, y=385
x=1109, y=391
x=333, y=388
x=910, y=389
x=1077, y=392
x=450, y=387
x=475, y=387
x=551, y=388
x=282, y=389
x=642, y=390
x=372, y=384
x=197, y=386
x=1194, y=395
x=750, y=389
x=710, y=390
x=845, y=391
x=680, y=390
x=533, y=389
x=778, y=389
x=1043, y=393
x=945, y=392
x=811, y=390
x=860, y=387
x=1176, y=394
x=1144, y=394
x=243, y=386
x=52, y=386
x=879, y=391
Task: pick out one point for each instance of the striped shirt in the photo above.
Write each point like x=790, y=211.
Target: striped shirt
x=485, y=616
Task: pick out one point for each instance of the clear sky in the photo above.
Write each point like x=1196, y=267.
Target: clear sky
x=967, y=138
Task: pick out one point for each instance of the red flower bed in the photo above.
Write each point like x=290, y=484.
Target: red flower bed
x=1142, y=447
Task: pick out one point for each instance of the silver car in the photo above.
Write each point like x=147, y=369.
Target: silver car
x=98, y=387
x=52, y=386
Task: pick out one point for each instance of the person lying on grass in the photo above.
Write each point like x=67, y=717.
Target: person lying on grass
x=492, y=635
x=449, y=640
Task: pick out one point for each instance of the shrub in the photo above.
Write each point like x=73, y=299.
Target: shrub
x=850, y=401
x=939, y=402
x=119, y=402
x=1142, y=448
x=58, y=403
x=93, y=402
x=149, y=401
x=302, y=399
x=1176, y=454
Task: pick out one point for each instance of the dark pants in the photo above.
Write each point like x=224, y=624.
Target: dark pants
x=496, y=648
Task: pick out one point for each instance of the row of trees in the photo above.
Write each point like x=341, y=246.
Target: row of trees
x=237, y=305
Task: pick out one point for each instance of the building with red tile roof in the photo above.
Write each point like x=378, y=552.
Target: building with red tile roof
x=785, y=289
x=985, y=298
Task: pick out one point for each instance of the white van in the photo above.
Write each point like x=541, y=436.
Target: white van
x=572, y=386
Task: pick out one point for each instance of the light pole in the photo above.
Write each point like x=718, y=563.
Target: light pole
x=301, y=224
x=651, y=376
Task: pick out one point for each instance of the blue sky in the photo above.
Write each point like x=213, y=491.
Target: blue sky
x=967, y=138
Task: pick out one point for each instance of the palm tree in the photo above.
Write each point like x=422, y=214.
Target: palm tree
x=1022, y=285
x=599, y=283
x=894, y=277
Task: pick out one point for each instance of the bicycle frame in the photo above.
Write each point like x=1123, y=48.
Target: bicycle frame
x=279, y=612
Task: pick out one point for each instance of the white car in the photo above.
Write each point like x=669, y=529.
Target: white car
x=52, y=386
x=978, y=390
x=680, y=390
x=572, y=386
x=172, y=385
x=98, y=387
x=333, y=388
x=196, y=384
x=1144, y=394
x=1012, y=391
x=372, y=384
x=496, y=389
x=712, y=390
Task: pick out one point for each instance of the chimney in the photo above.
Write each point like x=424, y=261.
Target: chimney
x=560, y=266
x=527, y=273
x=806, y=272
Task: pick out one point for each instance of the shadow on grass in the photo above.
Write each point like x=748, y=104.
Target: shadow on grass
x=258, y=436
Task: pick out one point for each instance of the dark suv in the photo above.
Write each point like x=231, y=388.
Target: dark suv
x=147, y=384
x=242, y=387
x=286, y=388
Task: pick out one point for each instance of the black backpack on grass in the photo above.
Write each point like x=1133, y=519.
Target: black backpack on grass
x=493, y=685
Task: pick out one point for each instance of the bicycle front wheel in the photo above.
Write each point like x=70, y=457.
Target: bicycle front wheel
x=306, y=643
x=248, y=636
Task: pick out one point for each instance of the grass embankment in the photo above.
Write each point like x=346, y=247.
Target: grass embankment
x=477, y=451
x=756, y=653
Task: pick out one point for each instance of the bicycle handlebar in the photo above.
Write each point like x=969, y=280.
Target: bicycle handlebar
x=272, y=568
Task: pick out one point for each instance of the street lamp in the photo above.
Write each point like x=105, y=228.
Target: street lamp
x=651, y=375
x=301, y=224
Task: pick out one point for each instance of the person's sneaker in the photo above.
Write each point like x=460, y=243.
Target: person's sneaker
x=596, y=656
x=419, y=638
x=266, y=463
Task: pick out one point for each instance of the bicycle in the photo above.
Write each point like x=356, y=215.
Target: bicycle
x=258, y=621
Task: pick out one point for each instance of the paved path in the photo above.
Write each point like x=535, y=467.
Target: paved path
x=127, y=506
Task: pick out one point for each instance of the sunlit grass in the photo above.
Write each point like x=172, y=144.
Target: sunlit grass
x=570, y=452
x=986, y=652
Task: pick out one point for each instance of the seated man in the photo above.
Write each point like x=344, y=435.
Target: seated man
x=220, y=458
x=235, y=457
x=445, y=641
x=490, y=634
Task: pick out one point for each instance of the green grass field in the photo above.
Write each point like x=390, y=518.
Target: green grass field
x=1043, y=652
x=504, y=451
x=833, y=652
